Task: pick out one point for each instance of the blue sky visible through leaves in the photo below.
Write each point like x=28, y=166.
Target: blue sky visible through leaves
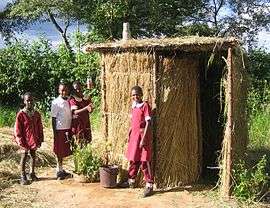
x=47, y=30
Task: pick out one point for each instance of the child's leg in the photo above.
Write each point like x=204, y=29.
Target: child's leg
x=133, y=170
x=148, y=177
x=23, y=179
x=60, y=172
x=59, y=164
x=32, y=161
x=146, y=169
x=23, y=162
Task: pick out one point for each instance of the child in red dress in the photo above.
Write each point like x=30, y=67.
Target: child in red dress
x=81, y=106
x=140, y=142
x=28, y=134
x=61, y=124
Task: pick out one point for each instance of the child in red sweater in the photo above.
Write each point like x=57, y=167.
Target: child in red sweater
x=28, y=135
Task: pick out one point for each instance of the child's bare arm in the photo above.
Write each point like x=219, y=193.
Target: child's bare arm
x=147, y=126
x=88, y=108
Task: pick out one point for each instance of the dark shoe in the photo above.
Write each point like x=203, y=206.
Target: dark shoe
x=126, y=184
x=24, y=181
x=60, y=175
x=66, y=174
x=33, y=177
x=148, y=191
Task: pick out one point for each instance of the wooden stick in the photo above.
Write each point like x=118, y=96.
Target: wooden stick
x=155, y=106
x=226, y=189
x=104, y=101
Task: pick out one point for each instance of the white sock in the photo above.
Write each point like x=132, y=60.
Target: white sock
x=59, y=168
x=130, y=180
x=149, y=185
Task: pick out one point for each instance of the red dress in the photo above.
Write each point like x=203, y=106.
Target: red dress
x=28, y=130
x=138, y=121
x=80, y=125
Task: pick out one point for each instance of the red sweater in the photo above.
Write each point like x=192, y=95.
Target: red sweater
x=28, y=130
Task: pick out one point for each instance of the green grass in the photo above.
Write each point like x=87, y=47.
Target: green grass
x=7, y=116
x=259, y=129
x=95, y=118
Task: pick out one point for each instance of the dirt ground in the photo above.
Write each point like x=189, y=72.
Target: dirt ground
x=69, y=193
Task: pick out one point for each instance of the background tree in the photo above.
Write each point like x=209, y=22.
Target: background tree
x=8, y=25
x=53, y=11
x=243, y=19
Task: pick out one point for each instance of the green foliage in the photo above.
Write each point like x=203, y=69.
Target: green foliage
x=7, y=116
x=259, y=119
x=196, y=29
x=249, y=183
x=87, y=162
x=38, y=68
x=147, y=18
x=259, y=99
x=35, y=9
x=152, y=18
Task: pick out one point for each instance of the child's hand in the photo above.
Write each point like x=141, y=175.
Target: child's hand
x=142, y=143
x=90, y=108
x=18, y=141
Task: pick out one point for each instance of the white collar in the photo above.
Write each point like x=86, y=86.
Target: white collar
x=62, y=99
x=137, y=105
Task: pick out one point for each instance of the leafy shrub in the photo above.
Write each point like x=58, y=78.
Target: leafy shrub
x=7, y=116
x=38, y=68
x=250, y=182
x=259, y=131
x=87, y=162
x=259, y=118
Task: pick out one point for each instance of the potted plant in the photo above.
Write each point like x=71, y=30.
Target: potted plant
x=108, y=172
x=87, y=164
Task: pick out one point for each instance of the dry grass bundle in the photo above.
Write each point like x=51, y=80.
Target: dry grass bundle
x=168, y=71
x=188, y=44
x=178, y=133
x=120, y=73
x=238, y=131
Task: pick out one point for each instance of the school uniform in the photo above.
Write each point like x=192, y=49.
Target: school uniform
x=28, y=131
x=60, y=110
x=141, y=112
x=80, y=125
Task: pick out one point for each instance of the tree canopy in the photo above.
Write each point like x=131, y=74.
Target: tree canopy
x=152, y=18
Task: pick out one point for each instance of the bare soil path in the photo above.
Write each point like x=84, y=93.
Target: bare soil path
x=69, y=193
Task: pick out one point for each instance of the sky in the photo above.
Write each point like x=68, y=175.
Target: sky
x=48, y=31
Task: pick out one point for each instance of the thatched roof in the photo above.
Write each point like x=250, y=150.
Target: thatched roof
x=187, y=44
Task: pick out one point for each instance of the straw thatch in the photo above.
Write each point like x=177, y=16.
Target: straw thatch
x=187, y=44
x=178, y=126
x=168, y=71
x=120, y=73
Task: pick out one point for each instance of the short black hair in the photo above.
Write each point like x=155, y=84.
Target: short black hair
x=62, y=82
x=27, y=94
x=76, y=82
x=138, y=89
x=21, y=104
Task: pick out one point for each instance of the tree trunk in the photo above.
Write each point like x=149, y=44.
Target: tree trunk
x=63, y=33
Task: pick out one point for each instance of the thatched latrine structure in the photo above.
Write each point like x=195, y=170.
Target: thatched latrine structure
x=196, y=86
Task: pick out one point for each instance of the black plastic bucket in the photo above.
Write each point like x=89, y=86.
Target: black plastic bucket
x=108, y=176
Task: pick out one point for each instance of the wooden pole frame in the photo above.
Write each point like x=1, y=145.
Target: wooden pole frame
x=227, y=162
x=104, y=101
